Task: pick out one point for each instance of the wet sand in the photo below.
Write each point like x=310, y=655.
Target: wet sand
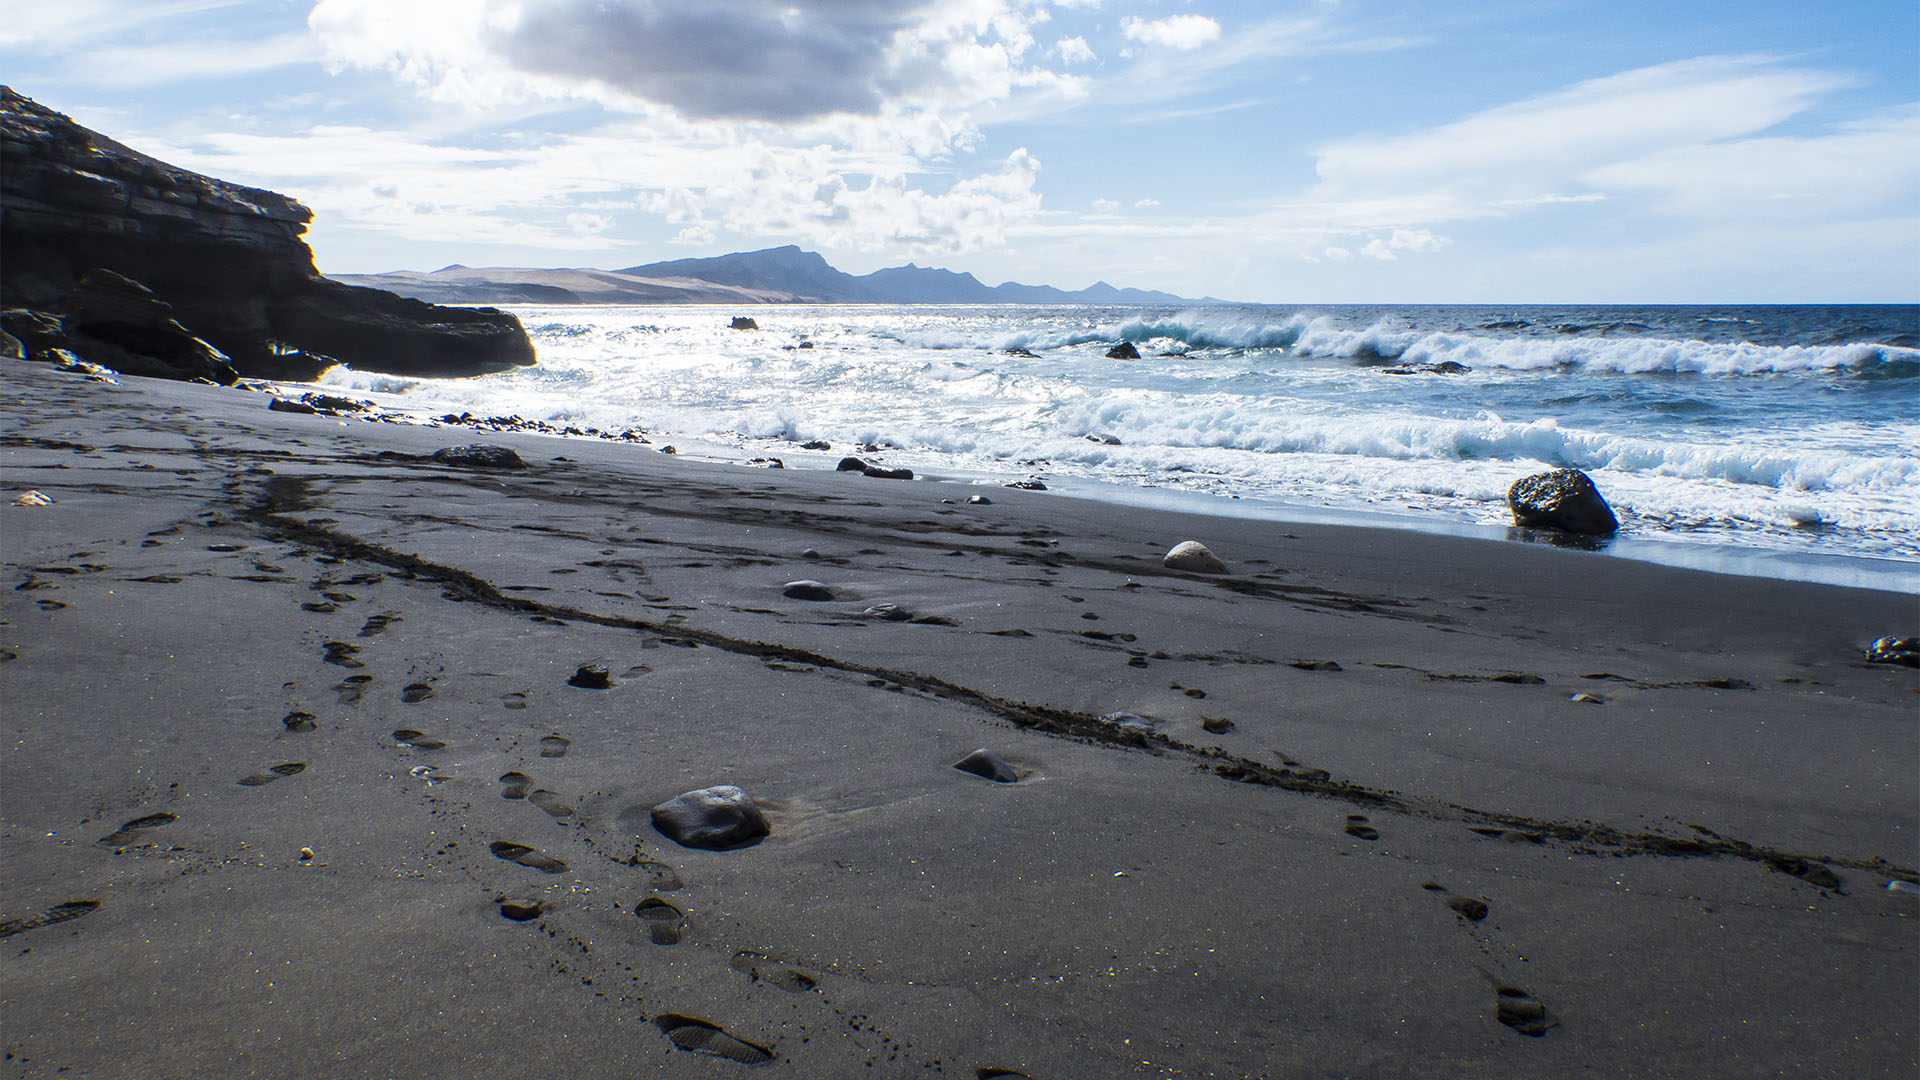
x=301, y=779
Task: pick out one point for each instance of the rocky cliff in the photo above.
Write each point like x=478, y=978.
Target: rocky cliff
x=135, y=264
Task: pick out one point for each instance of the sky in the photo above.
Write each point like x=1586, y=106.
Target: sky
x=1365, y=151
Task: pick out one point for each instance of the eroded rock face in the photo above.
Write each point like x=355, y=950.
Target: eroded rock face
x=1563, y=499
x=223, y=263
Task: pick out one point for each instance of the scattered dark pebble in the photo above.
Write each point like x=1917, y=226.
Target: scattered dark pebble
x=591, y=677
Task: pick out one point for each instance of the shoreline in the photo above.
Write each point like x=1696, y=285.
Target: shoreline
x=1373, y=802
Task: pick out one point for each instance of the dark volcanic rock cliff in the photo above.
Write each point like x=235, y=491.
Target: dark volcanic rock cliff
x=126, y=260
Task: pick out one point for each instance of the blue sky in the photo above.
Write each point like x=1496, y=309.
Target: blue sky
x=1316, y=151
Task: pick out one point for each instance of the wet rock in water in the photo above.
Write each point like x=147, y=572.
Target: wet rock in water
x=741, y=322
x=1123, y=351
x=985, y=763
x=816, y=444
x=1904, y=651
x=1028, y=485
x=480, y=455
x=806, y=589
x=715, y=818
x=1563, y=499
x=591, y=677
x=1019, y=351
x=851, y=464
x=1104, y=439
x=879, y=473
x=1193, y=556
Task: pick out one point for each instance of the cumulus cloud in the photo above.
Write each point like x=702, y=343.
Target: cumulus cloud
x=1174, y=31
x=1074, y=50
x=844, y=123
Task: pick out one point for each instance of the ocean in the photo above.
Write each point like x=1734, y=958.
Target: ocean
x=1781, y=441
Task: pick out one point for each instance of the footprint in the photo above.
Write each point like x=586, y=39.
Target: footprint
x=341, y=653
x=706, y=1037
x=132, y=829
x=1467, y=907
x=555, y=746
x=514, y=785
x=665, y=923
x=274, y=773
x=300, y=721
x=520, y=910
x=353, y=688
x=665, y=878
x=59, y=913
x=378, y=623
x=551, y=803
x=1519, y=1010
x=416, y=693
x=1813, y=873
x=1357, y=826
x=515, y=700
x=419, y=740
x=526, y=856
x=763, y=969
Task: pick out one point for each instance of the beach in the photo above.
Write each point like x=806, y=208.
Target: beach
x=302, y=780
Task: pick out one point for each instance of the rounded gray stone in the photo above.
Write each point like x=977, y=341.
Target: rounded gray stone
x=715, y=818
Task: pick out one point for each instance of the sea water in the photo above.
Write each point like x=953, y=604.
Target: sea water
x=1782, y=441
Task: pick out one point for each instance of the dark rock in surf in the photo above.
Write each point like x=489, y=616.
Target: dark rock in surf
x=1028, y=485
x=480, y=455
x=1123, y=351
x=715, y=819
x=288, y=405
x=850, y=464
x=988, y=765
x=1563, y=499
x=879, y=473
x=741, y=322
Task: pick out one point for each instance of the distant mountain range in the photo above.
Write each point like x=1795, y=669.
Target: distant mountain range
x=782, y=275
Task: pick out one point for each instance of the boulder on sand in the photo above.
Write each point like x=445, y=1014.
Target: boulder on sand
x=1193, y=557
x=1563, y=499
x=715, y=818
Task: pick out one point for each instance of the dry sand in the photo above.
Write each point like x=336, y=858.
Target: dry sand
x=269, y=680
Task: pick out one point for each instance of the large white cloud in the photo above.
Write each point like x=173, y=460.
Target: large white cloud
x=843, y=123
x=1174, y=31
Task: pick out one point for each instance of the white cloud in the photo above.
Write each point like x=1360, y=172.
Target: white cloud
x=1175, y=31
x=1105, y=206
x=1145, y=204
x=797, y=118
x=190, y=58
x=1338, y=254
x=1074, y=50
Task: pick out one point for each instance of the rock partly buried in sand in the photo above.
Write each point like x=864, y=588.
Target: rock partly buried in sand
x=1904, y=651
x=591, y=677
x=806, y=589
x=1123, y=351
x=851, y=464
x=879, y=473
x=1563, y=499
x=985, y=763
x=979, y=500
x=1193, y=557
x=741, y=322
x=480, y=455
x=32, y=498
x=716, y=819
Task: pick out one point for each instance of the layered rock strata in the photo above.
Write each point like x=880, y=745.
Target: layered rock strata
x=90, y=226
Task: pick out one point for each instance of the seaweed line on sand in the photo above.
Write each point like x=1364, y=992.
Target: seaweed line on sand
x=281, y=496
